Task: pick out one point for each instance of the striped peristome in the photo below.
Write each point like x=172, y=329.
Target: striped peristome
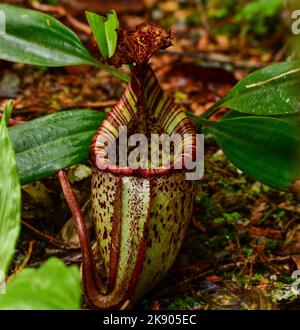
x=170, y=116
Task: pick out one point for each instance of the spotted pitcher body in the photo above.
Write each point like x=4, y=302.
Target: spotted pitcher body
x=141, y=215
x=140, y=225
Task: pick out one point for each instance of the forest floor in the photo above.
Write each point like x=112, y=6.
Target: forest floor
x=243, y=243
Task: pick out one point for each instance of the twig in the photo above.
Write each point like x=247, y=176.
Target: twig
x=8, y=96
x=62, y=12
x=51, y=239
x=125, y=306
x=224, y=268
x=13, y=122
x=24, y=262
x=218, y=59
x=92, y=105
x=279, y=56
x=78, y=25
x=204, y=20
x=92, y=282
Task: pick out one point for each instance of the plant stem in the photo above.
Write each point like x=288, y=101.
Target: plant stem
x=113, y=72
x=51, y=239
x=212, y=110
x=91, y=283
x=202, y=119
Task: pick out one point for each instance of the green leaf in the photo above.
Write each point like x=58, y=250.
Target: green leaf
x=53, y=142
x=51, y=287
x=104, y=30
x=7, y=111
x=270, y=91
x=295, y=117
x=10, y=195
x=36, y=38
x=266, y=149
x=259, y=9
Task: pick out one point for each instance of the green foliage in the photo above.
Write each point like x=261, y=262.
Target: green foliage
x=257, y=12
x=264, y=148
x=50, y=143
x=35, y=38
x=220, y=10
x=182, y=304
x=51, y=287
x=248, y=252
x=255, y=18
x=104, y=30
x=52, y=2
x=10, y=195
x=263, y=8
x=230, y=218
x=270, y=91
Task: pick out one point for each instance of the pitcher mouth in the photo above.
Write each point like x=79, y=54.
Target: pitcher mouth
x=171, y=119
x=138, y=172
x=180, y=164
